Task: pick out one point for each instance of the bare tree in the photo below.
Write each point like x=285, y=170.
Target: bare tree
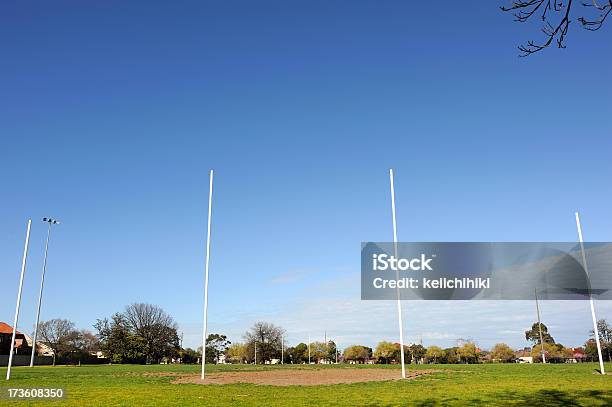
x=58, y=334
x=155, y=326
x=267, y=338
x=86, y=341
x=556, y=16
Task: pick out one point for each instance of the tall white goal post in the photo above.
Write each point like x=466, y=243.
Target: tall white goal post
x=399, y=302
x=210, y=193
x=586, y=270
x=16, y=320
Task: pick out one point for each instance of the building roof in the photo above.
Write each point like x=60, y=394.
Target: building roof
x=40, y=346
x=523, y=353
x=6, y=328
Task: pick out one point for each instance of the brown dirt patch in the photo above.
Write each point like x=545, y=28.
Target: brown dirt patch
x=160, y=374
x=305, y=377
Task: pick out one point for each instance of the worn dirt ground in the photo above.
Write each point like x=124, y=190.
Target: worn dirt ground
x=309, y=377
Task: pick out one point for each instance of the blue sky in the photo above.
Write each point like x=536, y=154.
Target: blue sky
x=112, y=114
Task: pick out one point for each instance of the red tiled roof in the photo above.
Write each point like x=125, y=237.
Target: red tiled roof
x=6, y=328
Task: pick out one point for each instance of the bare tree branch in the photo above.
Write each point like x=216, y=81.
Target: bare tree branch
x=556, y=16
x=604, y=11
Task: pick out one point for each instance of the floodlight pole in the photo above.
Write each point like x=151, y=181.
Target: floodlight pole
x=535, y=291
x=50, y=221
x=16, y=320
x=308, y=348
x=399, y=303
x=586, y=270
x=210, y=194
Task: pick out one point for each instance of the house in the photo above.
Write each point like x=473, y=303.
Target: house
x=42, y=349
x=578, y=355
x=21, y=345
x=524, y=356
x=525, y=359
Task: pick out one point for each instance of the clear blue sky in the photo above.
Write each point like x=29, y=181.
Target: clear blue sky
x=112, y=113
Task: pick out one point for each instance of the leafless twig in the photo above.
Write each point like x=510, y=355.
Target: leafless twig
x=556, y=18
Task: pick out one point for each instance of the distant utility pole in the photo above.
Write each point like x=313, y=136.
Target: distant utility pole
x=535, y=290
x=308, y=348
x=16, y=320
x=42, y=285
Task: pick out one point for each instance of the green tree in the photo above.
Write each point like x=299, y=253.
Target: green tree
x=468, y=353
x=605, y=339
x=318, y=351
x=237, y=353
x=434, y=353
x=298, y=354
x=357, y=353
x=533, y=334
x=417, y=352
x=118, y=343
x=553, y=352
x=331, y=351
x=590, y=350
x=451, y=355
x=386, y=352
x=189, y=355
x=502, y=352
x=216, y=345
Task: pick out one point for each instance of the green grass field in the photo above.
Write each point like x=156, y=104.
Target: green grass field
x=510, y=384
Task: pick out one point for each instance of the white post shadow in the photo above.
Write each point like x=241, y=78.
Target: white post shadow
x=50, y=221
x=586, y=270
x=16, y=320
x=399, y=303
x=535, y=291
x=210, y=193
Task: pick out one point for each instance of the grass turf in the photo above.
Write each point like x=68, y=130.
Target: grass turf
x=491, y=384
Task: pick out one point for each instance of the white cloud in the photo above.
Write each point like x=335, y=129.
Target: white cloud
x=332, y=304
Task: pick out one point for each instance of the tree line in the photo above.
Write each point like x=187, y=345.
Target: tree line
x=266, y=338
x=145, y=333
